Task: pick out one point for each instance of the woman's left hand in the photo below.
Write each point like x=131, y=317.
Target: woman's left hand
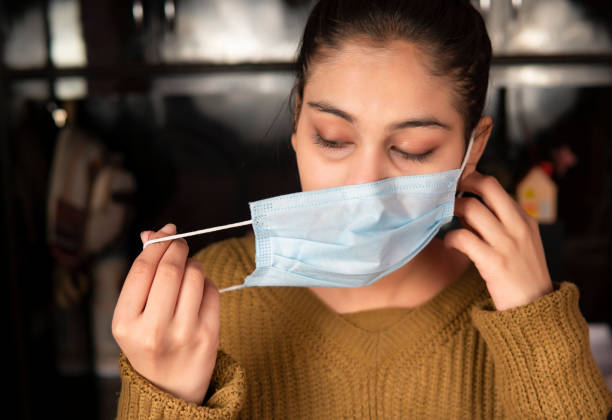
x=503, y=242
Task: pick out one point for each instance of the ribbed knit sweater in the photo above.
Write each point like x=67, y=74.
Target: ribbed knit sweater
x=284, y=354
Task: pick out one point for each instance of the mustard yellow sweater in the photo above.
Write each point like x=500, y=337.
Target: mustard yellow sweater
x=285, y=355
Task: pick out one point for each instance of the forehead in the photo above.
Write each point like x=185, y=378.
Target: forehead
x=390, y=78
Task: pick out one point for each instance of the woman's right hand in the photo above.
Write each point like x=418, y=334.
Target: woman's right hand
x=167, y=318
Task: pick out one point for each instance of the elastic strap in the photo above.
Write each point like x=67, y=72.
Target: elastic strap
x=229, y=289
x=465, y=159
x=200, y=232
x=197, y=232
x=467, y=152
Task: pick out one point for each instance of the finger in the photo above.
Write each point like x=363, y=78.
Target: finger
x=209, y=309
x=144, y=235
x=135, y=290
x=481, y=220
x=191, y=293
x=526, y=217
x=471, y=245
x=494, y=196
x=536, y=244
x=163, y=295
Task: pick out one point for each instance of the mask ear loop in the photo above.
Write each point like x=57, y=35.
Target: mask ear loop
x=465, y=160
x=229, y=289
x=197, y=232
x=201, y=232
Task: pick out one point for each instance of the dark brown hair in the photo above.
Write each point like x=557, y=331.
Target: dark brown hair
x=451, y=32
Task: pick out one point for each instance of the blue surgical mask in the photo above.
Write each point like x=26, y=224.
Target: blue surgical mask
x=349, y=236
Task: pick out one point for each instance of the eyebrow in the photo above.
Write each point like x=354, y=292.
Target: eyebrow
x=411, y=123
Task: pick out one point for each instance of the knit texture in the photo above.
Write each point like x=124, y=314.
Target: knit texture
x=453, y=357
x=140, y=399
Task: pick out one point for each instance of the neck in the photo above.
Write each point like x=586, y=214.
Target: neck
x=407, y=287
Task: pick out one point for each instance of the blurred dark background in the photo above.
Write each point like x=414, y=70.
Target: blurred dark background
x=118, y=116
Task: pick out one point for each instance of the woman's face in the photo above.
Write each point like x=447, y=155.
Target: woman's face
x=370, y=113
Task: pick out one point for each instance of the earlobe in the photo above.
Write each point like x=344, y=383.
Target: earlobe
x=296, y=114
x=293, y=142
x=481, y=138
x=469, y=168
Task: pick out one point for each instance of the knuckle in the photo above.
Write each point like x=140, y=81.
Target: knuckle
x=152, y=341
x=194, y=281
x=140, y=266
x=533, y=223
x=490, y=182
x=460, y=236
x=498, y=260
x=196, y=267
x=169, y=270
x=180, y=245
x=523, y=230
x=119, y=330
x=150, y=345
x=471, y=208
x=471, y=203
x=452, y=237
x=502, y=263
x=182, y=336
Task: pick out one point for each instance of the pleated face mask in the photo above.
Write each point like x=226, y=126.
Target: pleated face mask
x=349, y=236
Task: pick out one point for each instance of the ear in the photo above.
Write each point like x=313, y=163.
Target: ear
x=296, y=117
x=293, y=142
x=296, y=113
x=481, y=137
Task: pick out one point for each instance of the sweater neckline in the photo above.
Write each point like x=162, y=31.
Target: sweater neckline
x=375, y=320
x=428, y=324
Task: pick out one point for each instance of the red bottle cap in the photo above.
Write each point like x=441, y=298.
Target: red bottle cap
x=547, y=167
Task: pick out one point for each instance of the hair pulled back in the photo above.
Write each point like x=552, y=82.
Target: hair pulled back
x=452, y=33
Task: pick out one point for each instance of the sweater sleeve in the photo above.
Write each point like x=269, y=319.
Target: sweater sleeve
x=544, y=367
x=140, y=399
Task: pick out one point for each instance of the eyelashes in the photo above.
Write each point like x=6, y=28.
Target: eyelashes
x=327, y=143
x=334, y=145
x=416, y=158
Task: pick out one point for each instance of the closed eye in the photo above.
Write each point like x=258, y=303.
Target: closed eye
x=328, y=143
x=413, y=157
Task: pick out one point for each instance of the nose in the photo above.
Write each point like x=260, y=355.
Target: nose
x=367, y=165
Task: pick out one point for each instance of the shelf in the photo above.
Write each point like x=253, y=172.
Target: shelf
x=129, y=71
x=122, y=71
x=553, y=59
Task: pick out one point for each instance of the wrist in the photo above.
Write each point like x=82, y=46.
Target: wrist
x=195, y=396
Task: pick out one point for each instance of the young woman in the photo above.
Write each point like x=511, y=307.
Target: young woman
x=470, y=327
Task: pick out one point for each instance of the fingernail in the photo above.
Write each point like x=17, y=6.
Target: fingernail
x=169, y=228
x=142, y=238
